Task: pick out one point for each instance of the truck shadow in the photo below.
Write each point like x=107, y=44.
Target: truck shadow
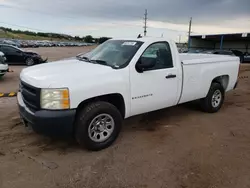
x=152, y=120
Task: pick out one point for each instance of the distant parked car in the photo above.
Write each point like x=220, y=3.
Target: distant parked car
x=3, y=65
x=32, y=44
x=10, y=42
x=246, y=57
x=18, y=56
x=24, y=44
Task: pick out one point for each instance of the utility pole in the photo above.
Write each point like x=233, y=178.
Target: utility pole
x=189, y=32
x=145, y=22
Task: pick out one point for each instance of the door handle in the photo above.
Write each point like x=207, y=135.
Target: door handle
x=170, y=76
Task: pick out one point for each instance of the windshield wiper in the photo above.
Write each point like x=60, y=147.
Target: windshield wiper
x=98, y=61
x=83, y=58
x=95, y=61
x=101, y=62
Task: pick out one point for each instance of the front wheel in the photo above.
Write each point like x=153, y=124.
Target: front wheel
x=98, y=125
x=29, y=62
x=214, y=99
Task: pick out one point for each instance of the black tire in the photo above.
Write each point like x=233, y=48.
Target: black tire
x=207, y=102
x=29, y=61
x=84, y=119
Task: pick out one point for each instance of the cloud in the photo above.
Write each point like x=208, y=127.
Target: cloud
x=160, y=10
x=5, y=3
x=118, y=18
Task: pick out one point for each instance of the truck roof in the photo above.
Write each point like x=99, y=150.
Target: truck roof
x=144, y=39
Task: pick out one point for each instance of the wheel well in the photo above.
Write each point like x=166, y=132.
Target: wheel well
x=223, y=80
x=115, y=99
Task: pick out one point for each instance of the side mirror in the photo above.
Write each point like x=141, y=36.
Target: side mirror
x=144, y=64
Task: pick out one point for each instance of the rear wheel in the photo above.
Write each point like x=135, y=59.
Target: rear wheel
x=214, y=99
x=98, y=125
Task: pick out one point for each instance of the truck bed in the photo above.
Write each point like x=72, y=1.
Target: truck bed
x=199, y=70
x=205, y=58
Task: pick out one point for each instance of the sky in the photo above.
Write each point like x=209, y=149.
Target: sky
x=117, y=18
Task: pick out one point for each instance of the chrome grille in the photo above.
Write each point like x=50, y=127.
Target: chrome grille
x=30, y=95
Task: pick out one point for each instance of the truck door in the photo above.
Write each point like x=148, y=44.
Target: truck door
x=156, y=87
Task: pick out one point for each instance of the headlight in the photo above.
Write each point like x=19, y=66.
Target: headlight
x=55, y=99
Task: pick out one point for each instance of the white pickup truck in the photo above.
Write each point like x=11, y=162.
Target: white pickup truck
x=89, y=96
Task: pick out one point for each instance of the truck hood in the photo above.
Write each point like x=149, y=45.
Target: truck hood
x=63, y=73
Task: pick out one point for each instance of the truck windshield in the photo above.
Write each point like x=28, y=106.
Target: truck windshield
x=114, y=53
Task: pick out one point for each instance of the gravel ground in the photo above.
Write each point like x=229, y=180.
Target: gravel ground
x=178, y=147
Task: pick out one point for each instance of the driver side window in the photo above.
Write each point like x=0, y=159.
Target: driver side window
x=7, y=49
x=160, y=54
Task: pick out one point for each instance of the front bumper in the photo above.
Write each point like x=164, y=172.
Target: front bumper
x=39, y=59
x=3, y=69
x=48, y=122
x=2, y=72
x=43, y=60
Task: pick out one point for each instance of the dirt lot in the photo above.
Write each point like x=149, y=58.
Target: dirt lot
x=179, y=147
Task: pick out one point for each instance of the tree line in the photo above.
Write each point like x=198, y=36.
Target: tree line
x=87, y=39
